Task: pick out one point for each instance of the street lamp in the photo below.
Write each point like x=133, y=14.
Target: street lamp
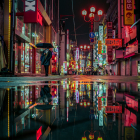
x=92, y=20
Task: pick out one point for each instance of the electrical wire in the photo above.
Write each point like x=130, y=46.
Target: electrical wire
x=74, y=21
x=79, y=26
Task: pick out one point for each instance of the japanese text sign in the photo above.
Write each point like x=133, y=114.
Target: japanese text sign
x=99, y=103
x=128, y=12
x=113, y=109
x=31, y=12
x=99, y=47
x=77, y=53
x=113, y=42
x=129, y=133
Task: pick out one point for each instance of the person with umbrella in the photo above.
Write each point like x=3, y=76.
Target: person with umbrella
x=46, y=55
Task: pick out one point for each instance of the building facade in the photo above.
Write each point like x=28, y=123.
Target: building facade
x=32, y=26
x=125, y=58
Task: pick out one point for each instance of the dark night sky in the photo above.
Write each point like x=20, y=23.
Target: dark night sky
x=79, y=5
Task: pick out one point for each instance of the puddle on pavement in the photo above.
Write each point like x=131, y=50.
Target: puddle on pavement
x=70, y=110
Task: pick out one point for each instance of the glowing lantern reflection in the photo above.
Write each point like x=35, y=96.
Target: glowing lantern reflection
x=88, y=103
x=91, y=136
x=84, y=138
x=85, y=104
x=81, y=104
x=100, y=138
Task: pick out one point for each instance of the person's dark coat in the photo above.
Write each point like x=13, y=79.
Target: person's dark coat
x=46, y=60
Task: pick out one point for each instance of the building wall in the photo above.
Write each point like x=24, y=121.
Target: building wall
x=135, y=60
x=122, y=68
x=128, y=67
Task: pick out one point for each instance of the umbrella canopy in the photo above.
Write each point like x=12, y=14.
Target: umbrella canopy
x=44, y=45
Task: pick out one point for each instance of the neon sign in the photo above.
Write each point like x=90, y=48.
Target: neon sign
x=39, y=133
x=39, y=18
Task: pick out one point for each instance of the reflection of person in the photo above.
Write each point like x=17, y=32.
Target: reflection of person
x=110, y=72
x=47, y=55
x=45, y=94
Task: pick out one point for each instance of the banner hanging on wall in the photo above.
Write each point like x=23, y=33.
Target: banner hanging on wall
x=128, y=12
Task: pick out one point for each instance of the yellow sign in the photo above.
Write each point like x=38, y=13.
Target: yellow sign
x=129, y=133
x=128, y=12
x=99, y=47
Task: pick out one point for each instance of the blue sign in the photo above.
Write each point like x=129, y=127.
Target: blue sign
x=92, y=40
x=91, y=35
x=91, y=117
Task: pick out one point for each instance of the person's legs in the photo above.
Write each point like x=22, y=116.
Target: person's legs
x=46, y=69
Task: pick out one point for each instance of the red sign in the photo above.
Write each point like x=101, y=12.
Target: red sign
x=113, y=109
x=129, y=118
x=99, y=103
x=130, y=33
x=113, y=42
x=39, y=133
x=132, y=103
x=31, y=12
x=110, y=58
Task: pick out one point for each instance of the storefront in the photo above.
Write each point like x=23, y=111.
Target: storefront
x=28, y=32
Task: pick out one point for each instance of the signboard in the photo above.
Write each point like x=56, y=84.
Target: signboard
x=101, y=117
x=132, y=103
x=101, y=29
x=113, y=42
x=99, y=103
x=91, y=35
x=68, y=40
x=99, y=47
x=113, y=109
x=129, y=133
x=65, y=67
x=109, y=36
x=113, y=34
x=132, y=48
x=129, y=33
x=92, y=40
x=77, y=53
x=138, y=66
x=77, y=96
x=31, y=12
x=128, y=12
x=39, y=133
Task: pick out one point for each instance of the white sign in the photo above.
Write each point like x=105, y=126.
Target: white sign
x=67, y=39
x=138, y=68
x=101, y=117
x=113, y=33
x=77, y=53
x=77, y=96
x=30, y=5
x=101, y=32
x=65, y=66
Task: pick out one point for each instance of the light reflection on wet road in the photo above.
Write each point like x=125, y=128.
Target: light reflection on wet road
x=70, y=109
